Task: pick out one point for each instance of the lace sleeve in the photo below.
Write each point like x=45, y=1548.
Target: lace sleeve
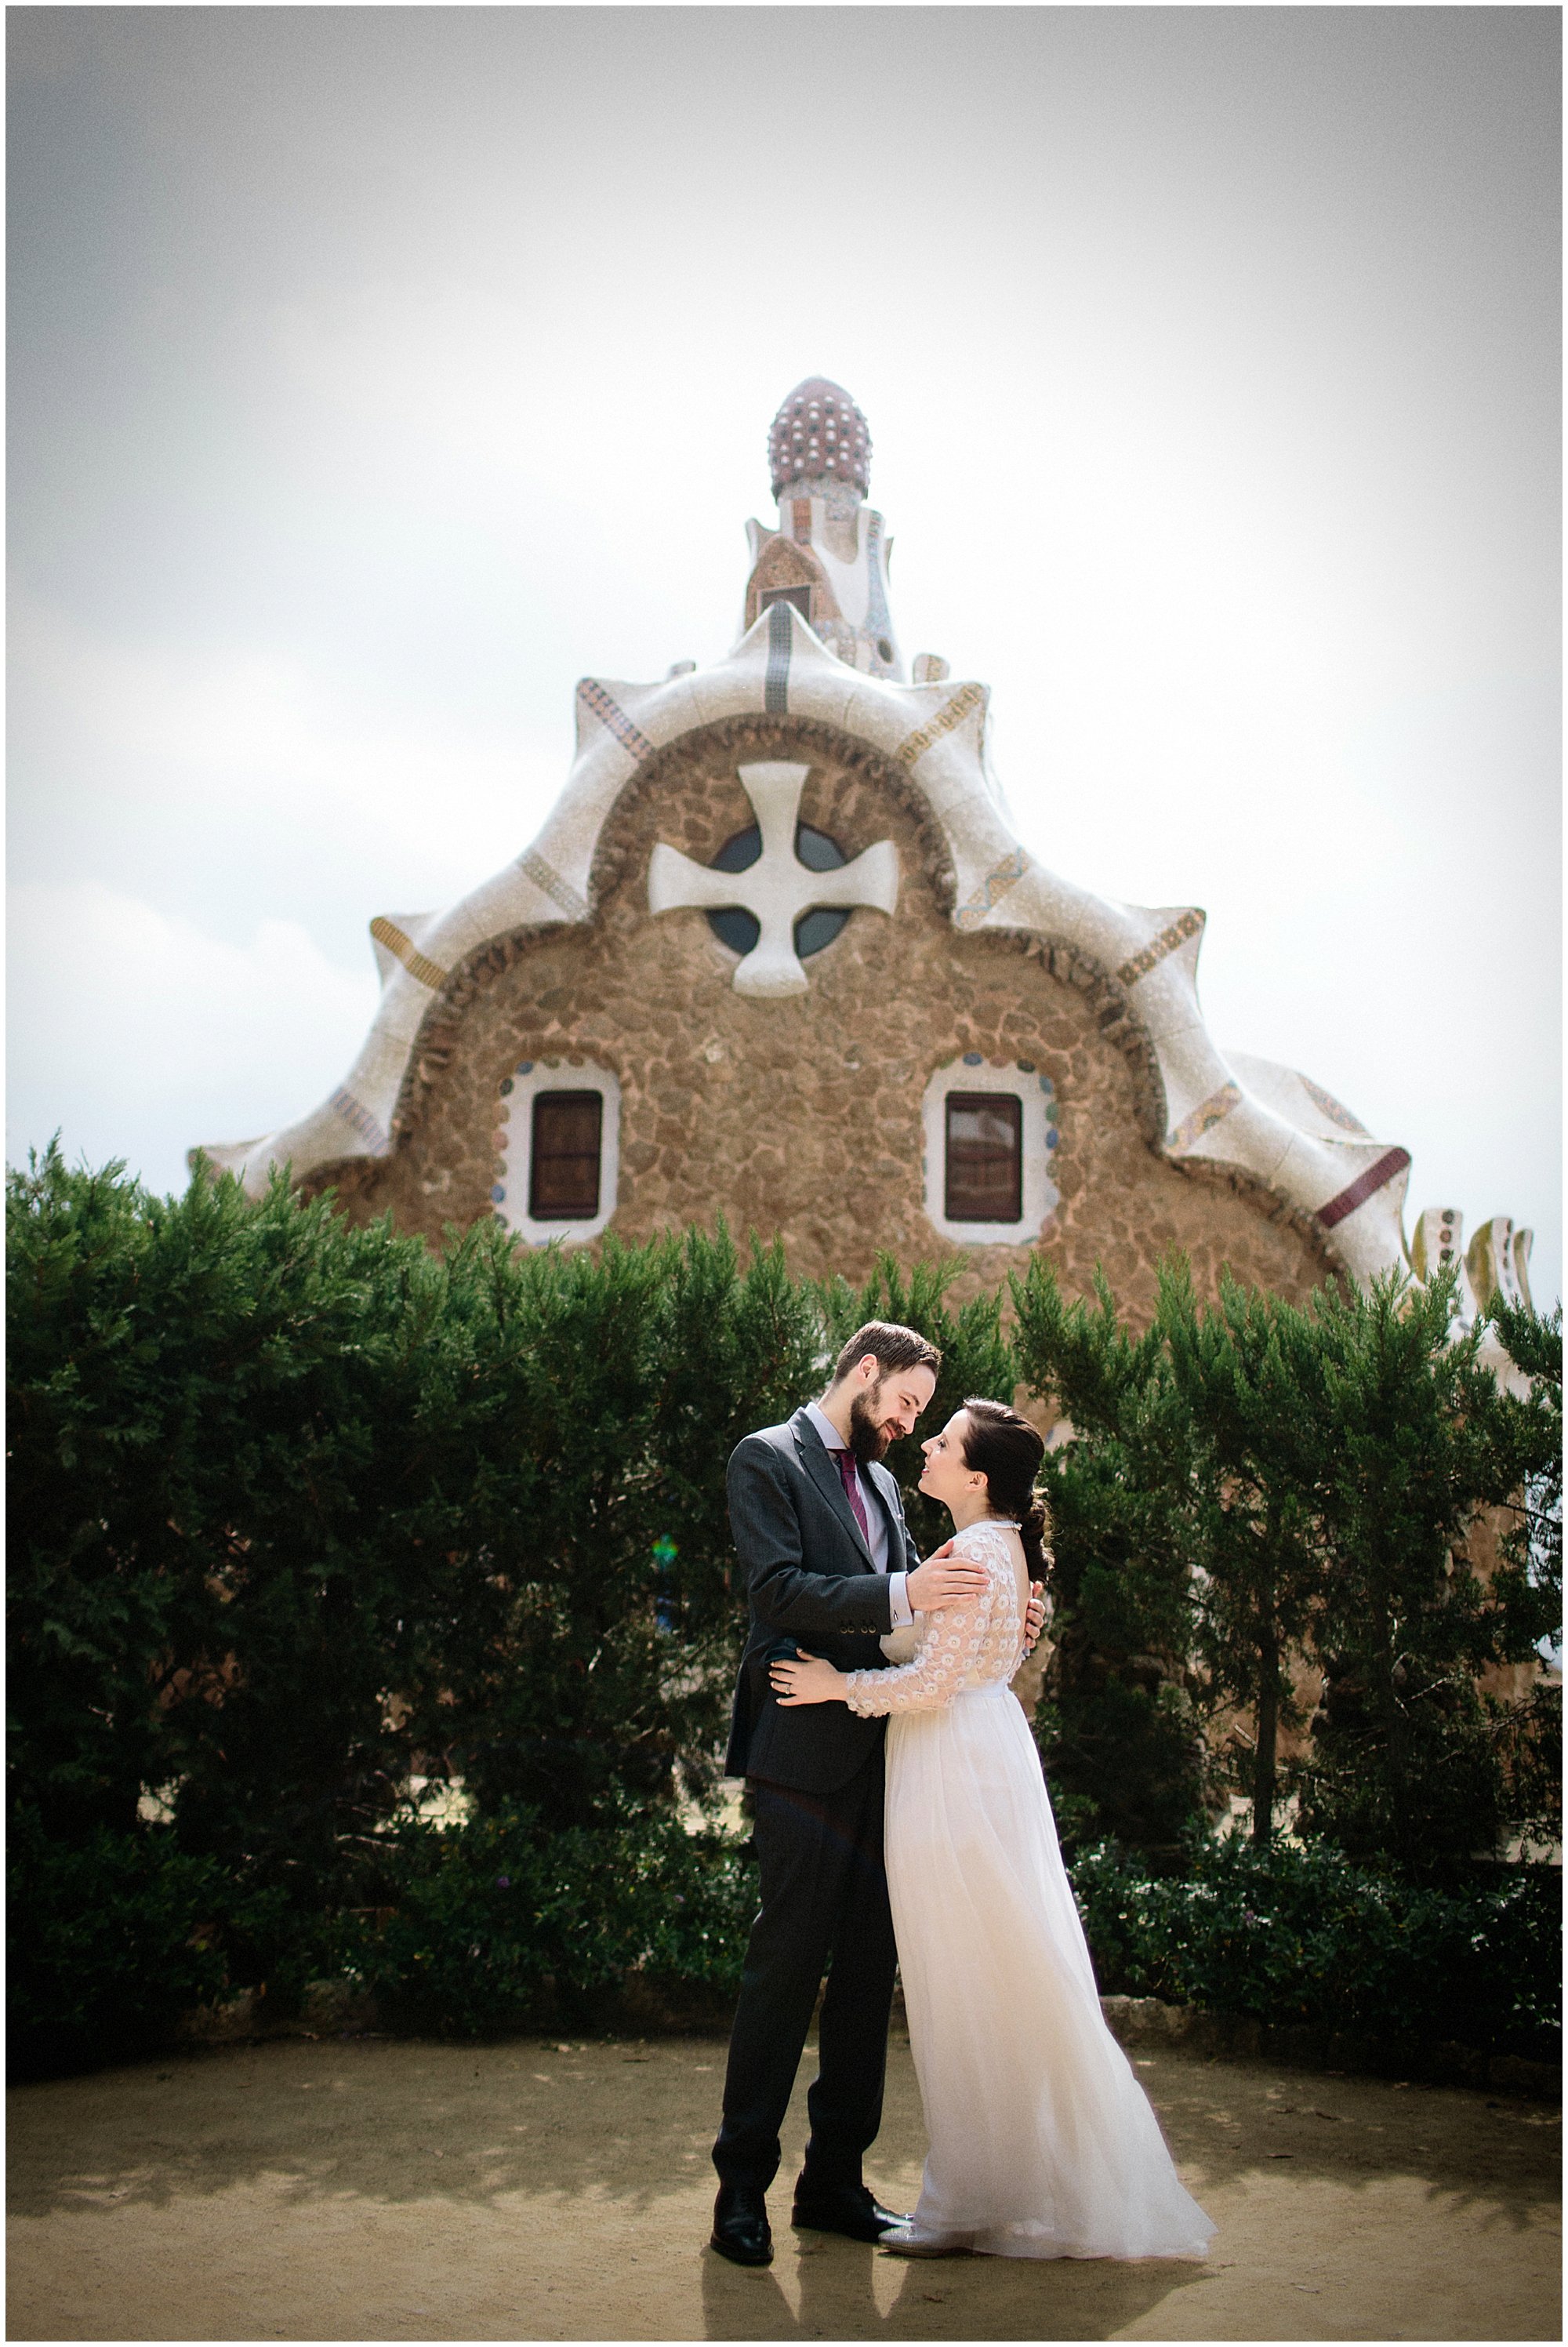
x=957, y=1641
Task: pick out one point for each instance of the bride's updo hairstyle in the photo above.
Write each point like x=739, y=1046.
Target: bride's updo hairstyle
x=1005, y=1450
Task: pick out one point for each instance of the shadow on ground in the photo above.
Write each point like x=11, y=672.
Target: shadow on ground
x=992, y=2297
x=374, y=2188
x=403, y=2120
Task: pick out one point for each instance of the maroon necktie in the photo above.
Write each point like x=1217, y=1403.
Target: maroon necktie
x=851, y=1483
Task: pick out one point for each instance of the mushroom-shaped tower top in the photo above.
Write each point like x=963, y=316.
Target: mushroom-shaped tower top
x=820, y=435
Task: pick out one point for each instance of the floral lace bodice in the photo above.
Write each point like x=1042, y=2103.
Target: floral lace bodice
x=962, y=1646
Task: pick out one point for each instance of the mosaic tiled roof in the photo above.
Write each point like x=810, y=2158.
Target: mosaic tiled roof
x=818, y=434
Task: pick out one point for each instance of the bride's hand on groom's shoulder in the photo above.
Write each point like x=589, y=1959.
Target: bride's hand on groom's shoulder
x=944, y=1580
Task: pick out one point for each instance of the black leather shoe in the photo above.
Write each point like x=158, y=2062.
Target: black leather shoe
x=851, y=2210
x=741, y=2230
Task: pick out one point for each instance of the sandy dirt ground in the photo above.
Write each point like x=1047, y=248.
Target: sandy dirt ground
x=366, y=2189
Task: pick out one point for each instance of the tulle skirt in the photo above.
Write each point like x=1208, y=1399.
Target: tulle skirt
x=1042, y=2143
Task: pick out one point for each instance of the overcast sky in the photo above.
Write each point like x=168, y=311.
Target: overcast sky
x=377, y=372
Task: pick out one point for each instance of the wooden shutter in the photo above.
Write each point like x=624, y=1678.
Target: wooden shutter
x=563, y=1165
x=984, y=1157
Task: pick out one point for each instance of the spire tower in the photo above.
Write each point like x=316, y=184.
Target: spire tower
x=828, y=556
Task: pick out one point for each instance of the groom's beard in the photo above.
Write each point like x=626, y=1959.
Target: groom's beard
x=868, y=1441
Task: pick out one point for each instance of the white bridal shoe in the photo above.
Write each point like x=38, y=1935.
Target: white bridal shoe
x=907, y=2241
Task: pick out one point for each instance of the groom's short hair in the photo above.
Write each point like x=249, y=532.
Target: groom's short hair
x=892, y=1347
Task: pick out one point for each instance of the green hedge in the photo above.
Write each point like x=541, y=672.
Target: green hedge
x=298, y=1510
x=500, y=1926
x=493, y=1926
x=497, y=1926
x=301, y=1511
x=109, y=1941
x=1300, y=1935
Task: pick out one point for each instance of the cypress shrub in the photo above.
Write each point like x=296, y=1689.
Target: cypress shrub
x=1119, y=1730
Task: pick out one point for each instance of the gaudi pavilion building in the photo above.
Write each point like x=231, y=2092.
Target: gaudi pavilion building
x=777, y=954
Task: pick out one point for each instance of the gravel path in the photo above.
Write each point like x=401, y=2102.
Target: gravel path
x=368, y=2188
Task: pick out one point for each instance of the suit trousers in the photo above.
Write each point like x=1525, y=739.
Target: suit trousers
x=824, y=1903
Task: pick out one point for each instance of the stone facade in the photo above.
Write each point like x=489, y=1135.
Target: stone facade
x=792, y=1079
x=803, y=1116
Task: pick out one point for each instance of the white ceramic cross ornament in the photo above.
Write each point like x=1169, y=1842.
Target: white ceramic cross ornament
x=778, y=888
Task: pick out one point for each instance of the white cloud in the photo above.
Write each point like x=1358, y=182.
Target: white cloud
x=198, y=766
x=137, y=1036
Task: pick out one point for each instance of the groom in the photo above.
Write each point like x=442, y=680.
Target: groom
x=819, y=1528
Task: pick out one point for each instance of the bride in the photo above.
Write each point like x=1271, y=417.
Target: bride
x=1042, y=2144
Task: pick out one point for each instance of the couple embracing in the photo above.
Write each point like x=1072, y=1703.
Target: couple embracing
x=901, y=1818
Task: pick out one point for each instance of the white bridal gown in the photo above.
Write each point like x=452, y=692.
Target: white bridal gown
x=1043, y=2143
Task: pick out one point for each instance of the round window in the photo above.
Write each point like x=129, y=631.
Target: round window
x=740, y=930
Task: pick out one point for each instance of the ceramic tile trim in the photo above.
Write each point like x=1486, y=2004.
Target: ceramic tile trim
x=593, y=696
x=915, y=746
x=1356, y=1193
x=992, y=890
x=1334, y=1111
x=1189, y=924
x=1204, y=1117
x=401, y=946
x=543, y=873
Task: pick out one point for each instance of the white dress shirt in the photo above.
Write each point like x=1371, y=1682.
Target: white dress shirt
x=901, y=1613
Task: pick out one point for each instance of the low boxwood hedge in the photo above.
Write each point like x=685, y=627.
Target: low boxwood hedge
x=1300, y=1935
x=109, y=1941
x=499, y=1925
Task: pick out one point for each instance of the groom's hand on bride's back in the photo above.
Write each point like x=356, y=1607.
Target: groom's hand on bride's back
x=944, y=1580
x=948, y=1592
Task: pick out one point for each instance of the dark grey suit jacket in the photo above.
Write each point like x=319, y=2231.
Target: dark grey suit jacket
x=809, y=1576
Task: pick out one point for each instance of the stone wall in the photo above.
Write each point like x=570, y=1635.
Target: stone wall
x=803, y=1116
